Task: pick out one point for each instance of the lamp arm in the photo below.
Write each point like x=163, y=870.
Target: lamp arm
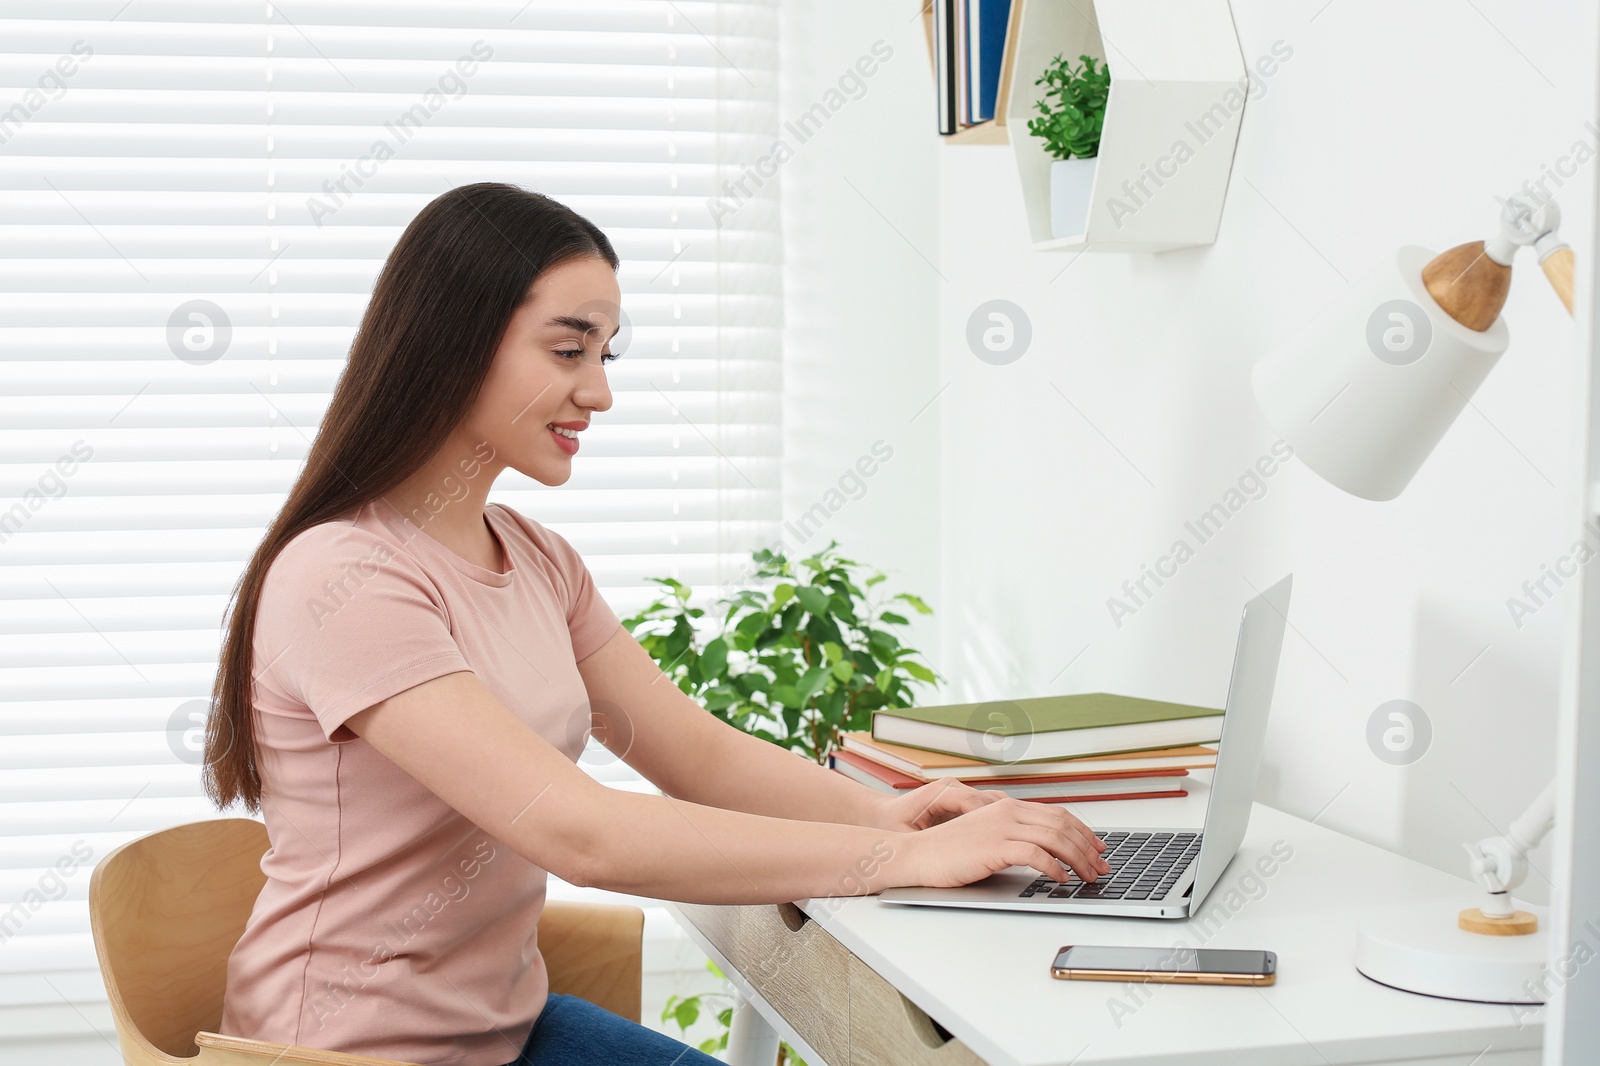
x=1500, y=863
x=1535, y=823
x=1521, y=224
x=1555, y=256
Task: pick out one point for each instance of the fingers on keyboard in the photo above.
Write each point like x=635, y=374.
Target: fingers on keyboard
x=1143, y=866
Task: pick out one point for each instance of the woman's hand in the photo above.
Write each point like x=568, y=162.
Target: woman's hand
x=1004, y=832
x=930, y=804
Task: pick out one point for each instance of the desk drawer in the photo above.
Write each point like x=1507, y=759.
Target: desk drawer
x=887, y=1029
x=792, y=962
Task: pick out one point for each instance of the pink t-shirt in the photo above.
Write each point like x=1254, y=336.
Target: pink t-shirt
x=390, y=925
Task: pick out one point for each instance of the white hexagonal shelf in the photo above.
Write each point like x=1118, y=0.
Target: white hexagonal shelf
x=1178, y=91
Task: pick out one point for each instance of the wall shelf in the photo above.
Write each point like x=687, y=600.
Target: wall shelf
x=1178, y=94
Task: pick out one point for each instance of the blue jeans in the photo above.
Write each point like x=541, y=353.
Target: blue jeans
x=574, y=1032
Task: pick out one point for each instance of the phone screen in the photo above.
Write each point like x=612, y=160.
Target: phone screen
x=1169, y=960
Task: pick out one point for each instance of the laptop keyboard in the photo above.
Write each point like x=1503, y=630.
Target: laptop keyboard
x=1143, y=866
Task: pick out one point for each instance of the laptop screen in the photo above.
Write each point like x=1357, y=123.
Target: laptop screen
x=1244, y=731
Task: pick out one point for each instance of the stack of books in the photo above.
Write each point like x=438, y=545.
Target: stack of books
x=969, y=39
x=1052, y=749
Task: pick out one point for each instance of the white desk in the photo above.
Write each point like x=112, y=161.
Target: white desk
x=984, y=975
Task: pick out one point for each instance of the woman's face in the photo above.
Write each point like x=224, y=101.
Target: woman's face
x=549, y=371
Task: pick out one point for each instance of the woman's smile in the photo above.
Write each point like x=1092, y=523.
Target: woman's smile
x=566, y=434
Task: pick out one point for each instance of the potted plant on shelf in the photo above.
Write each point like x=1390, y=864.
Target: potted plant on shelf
x=1072, y=111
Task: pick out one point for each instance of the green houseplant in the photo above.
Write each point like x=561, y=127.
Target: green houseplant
x=795, y=664
x=1072, y=114
x=684, y=1011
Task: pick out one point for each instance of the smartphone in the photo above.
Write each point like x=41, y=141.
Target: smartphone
x=1182, y=965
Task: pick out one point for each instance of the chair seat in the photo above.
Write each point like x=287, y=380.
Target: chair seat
x=166, y=910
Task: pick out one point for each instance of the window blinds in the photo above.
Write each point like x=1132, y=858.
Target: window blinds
x=195, y=199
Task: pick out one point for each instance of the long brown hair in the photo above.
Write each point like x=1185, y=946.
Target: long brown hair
x=437, y=314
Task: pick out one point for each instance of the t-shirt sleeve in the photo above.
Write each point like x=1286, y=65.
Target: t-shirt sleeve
x=590, y=619
x=347, y=620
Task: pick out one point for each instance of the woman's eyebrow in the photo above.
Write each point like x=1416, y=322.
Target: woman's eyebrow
x=573, y=322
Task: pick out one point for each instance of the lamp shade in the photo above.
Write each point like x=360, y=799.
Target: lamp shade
x=1365, y=392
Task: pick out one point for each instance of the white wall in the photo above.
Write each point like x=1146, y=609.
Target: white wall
x=1390, y=124
x=861, y=360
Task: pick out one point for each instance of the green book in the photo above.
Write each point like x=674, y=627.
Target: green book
x=1048, y=727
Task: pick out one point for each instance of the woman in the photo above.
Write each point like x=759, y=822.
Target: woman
x=409, y=675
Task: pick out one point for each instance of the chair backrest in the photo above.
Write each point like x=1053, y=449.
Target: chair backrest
x=166, y=911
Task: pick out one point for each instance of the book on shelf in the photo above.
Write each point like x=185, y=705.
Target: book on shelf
x=969, y=38
x=932, y=765
x=1048, y=727
x=962, y=78
x=944, y=59
x=1059, y=788
x=986, y=43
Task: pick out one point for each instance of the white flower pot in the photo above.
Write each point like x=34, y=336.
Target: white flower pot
x=1071, y=181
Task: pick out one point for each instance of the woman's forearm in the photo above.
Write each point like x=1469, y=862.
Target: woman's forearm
x=669, y=848
x=753, y=775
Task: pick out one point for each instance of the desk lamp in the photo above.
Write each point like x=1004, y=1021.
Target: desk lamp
x=1367, y=390
x=1492, y=953
x=1363, y=395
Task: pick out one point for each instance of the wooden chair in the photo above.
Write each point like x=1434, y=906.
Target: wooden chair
x=167, y=908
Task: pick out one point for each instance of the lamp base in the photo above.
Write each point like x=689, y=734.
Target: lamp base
x=1518, y=923
x=1419, y=948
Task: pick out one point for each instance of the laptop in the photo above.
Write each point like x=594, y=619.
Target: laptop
x=1160, y=873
